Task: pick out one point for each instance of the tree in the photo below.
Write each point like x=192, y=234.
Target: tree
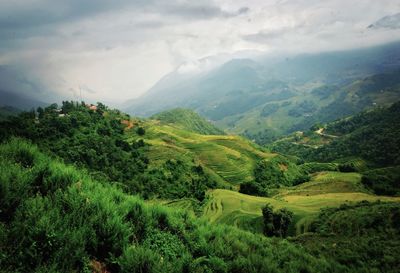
x=276, y=223
x=282, y=220
x=268, y=215
x=140, y=131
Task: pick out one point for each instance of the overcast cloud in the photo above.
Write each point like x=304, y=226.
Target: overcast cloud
x=115, y=50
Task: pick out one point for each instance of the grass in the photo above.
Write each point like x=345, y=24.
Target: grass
x=326, y=189
x=55, y=218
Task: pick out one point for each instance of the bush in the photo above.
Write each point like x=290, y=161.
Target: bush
x=252, y=188
x=278, y=171
x=140, y=131
x=276, y=223
x=385, y=181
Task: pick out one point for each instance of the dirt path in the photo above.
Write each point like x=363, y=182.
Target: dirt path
x=320, y=132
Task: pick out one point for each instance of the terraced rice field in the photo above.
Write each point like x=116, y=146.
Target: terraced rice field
x=229, y=159
x=327, y=189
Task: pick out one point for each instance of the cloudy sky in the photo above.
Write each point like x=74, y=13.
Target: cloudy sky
x=115, y=50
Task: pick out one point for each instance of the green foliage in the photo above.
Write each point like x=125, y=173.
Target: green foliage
x=262, y=137
x=385, y=181
x=96, y=140
x=278, y=171
x=77, y=222
x=141, y=260
x=253, y=188
x=188, y=120
x=6, y=111
x=371, y=135
x=276, y=223
x=364, y=236
x=313, y=167
x=140, y=131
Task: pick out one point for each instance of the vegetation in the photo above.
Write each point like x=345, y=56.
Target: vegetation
x=188, y=120
x=364, y=236
x=276, y=223
x=70, y=196
x=370, y=135
x=384, y=181
x=6, y=111
x=227, y=160
x=278, y=171
x=325, y=189
x=54, y=218
x=97, y=140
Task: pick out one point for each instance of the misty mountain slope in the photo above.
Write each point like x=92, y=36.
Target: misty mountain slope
x=273, y=96
x=198, y=90
x=19, y=101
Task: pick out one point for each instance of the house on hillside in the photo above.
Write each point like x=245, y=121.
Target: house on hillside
x=91, y=107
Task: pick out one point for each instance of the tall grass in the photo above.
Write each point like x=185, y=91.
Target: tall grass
x=55, y=218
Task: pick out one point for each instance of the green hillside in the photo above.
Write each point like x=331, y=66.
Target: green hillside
x=188, y=120
x=371, y=135
x=54, y=218
x=229, y=160
x=70, y=196
x=363, y=236
x=313, y=104
x=326, y=189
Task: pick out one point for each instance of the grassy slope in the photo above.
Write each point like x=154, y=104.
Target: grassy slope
x=326, y=189
x=230, y=160
x=188, y=120
x=55, y=218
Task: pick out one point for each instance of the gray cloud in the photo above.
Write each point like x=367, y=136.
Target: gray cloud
x=117, y=49
x=390, y=21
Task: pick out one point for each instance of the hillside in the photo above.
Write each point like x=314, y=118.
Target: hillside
x=188, y=120
x=55, y=218
x=6, y=111
x=228, y=160
x=166, y=161
x=370, y=135
x=325, y=189
x=268, y=97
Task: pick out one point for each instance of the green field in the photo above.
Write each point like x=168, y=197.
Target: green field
x=326, y=189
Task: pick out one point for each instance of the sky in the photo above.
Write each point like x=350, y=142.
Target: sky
x=112, y=51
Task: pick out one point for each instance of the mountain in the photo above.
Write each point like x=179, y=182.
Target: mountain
x=271, y=96
x=188, y=120
x=371, y=135
x=19, y=101
x=6, y=111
